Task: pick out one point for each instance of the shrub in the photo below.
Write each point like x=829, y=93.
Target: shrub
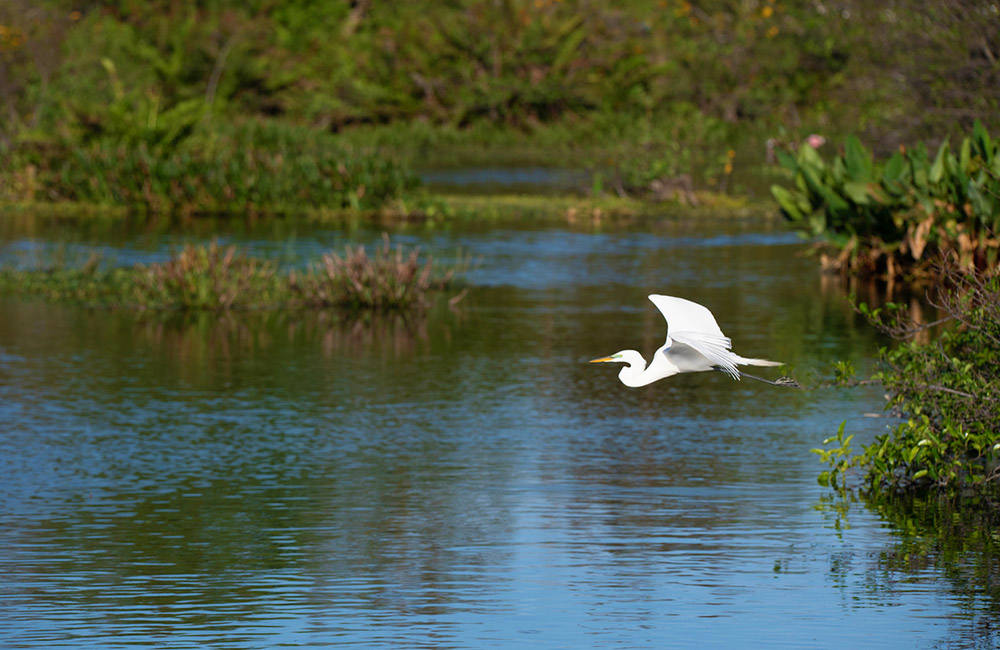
x=895, y=217
x=948, y=390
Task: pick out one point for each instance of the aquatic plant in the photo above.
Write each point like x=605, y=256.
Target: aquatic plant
x=216, y=277
x=206, y=277
x=391, y=278
x=947, y=389
x=82, y=285
x=898, y=216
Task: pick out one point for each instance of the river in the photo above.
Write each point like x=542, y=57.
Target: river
x=456, y=479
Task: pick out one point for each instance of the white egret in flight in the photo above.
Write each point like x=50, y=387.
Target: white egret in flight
x=694, y=344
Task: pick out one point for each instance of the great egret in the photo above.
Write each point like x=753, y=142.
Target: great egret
x=694, y=344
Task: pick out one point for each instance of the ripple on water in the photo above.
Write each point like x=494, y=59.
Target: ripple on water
x=467, y=481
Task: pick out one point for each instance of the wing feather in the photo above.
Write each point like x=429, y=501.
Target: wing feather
x=686, y=316
x=714, y=348
x=694, y=325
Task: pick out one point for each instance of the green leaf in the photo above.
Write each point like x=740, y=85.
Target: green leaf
x=817, y=222
x=793, y=204
x=982, y=140
x=787, y=160
x=858, y=160
x=810, y=159
x=922, y=473
x=878, y=194
x=895, y=169
x=965, y=156
x=857, y=192
x=937, y=169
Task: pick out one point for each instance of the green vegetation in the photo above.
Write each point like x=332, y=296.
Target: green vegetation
x=220, y=278
x=947, y=390
x=897, y=217
x=206, y=277
x=278, y=107
x=391, y=279
x=267, y=168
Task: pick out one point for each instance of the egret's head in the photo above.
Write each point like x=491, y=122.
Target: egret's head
x=631, y=373
x=625, y=356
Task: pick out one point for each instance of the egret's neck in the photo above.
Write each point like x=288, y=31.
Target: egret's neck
x=637, y=373
x=634, y=374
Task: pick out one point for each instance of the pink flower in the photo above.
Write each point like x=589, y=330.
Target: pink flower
x=815, y=140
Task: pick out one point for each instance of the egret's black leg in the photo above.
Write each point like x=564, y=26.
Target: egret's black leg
x=787, y=382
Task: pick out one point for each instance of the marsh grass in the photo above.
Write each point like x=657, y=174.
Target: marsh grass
x=221, y=278
x=80, y=285
x=390, y=279
x=207, y=277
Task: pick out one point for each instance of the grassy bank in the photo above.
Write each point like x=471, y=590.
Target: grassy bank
x=435, y=209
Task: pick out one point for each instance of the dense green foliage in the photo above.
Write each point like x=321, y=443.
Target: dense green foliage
x=256, y=169
x=153, y=96
x=223, y=278
x=947, y=390
x=899, y=215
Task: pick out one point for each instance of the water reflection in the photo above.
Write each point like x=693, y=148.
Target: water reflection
x=457, y=479
x=935, y=542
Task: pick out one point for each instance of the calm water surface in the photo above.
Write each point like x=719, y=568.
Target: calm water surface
x=458, y=480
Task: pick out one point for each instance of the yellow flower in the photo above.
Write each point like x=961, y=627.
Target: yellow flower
x=767, y=11
x=773, y=31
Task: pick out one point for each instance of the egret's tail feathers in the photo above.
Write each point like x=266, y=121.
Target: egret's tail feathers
x=758, y=362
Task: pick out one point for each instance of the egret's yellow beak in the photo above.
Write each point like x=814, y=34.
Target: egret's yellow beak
x=601, y=360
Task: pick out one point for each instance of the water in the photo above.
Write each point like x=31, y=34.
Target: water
x=458, y=480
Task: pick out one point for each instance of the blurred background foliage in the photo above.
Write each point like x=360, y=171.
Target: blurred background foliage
x=645, y=88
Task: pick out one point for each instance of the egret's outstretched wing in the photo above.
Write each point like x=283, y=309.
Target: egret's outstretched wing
x=713, y=348
x=692, y=325
x=686, y=316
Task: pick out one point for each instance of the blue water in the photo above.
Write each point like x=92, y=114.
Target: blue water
x=461, y=479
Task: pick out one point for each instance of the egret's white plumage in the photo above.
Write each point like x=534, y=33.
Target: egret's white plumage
x=694, y=344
